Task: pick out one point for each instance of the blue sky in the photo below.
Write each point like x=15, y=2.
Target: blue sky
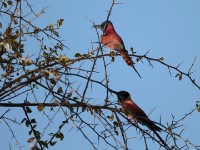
x=168, y=28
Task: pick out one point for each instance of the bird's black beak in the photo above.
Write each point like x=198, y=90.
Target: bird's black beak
x=118, y=94
x=96, y=26
x=113, y=91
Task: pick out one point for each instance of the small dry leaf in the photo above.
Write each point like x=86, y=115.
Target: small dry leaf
x=110, y=117
x=83, y=108
x=9, y=2
x=162, y=58
x=198, y=106
x=7, y=46
x=180, y=77
x=30, y=140
x=41, y=107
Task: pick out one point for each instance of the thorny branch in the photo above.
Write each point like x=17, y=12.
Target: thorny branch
x=180, y=72
x=57, y=75
x=32, y=128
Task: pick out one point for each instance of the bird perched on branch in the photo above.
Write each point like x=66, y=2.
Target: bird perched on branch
x=134, y=111
x=112, y=40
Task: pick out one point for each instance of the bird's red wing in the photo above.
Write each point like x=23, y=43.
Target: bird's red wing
x=120, y=40
x=139, y=115
x=134, y=109
x=112, y=41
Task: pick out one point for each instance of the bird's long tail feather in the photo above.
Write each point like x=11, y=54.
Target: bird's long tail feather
x=129, y=61
x=163, y=142
x=137, y=71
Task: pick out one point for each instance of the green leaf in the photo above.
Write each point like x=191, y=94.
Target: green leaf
x=53, y=81
x=30, y=140
x=23, y=120
x=75, y=98
x=53, y=143
x=115, y=123
x=30, y=132
x=69, y=94
x=4, y=4
x=34, y=126
x=60, y=90
x=113, y=59
x=60, y=127
x=77, y=55
x=40, y=107
x=83, y=108
x=61, y=136
x=117, y=133
x=28, y=110
x=44, y=143
x=27, y=123
x=57, y=135
x=33, y=121
x=37, y=133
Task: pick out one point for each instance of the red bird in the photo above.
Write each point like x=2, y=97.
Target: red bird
x=112, y=40
x=134, y=111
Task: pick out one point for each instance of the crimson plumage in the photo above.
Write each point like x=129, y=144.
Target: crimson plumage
x=134, y=111
x=112, y=40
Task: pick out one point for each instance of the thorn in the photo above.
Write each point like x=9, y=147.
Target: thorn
x=147, y=52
